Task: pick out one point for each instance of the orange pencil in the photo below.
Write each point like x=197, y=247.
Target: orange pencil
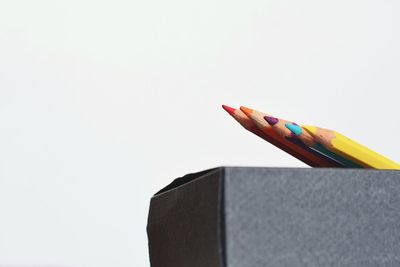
x=313, y=158
x=273, y=138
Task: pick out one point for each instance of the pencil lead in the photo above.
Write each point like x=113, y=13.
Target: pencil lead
x=294, y=128
x=229, y=109
x=246, y=110
x=271, y=120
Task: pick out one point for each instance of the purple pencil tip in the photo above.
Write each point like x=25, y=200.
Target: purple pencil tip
x=271, y=120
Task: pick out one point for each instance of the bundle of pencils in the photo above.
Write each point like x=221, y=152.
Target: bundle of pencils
x=315, y=146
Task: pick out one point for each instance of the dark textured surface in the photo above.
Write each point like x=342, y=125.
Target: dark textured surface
x=312, y=217
x=278, y=217
x=183, y=224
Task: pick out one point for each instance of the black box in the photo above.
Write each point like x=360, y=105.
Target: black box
x=279, y=217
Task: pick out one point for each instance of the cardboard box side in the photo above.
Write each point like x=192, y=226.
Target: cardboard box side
x=312, y=217
x=183, y=224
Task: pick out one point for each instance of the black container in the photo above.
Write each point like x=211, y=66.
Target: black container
x=279, y=217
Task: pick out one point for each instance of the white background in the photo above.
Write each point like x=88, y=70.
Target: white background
x=102, y=103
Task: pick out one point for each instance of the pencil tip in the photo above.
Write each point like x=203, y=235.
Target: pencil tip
x=271, y=120
x=229, y=109
x=294, y=128
x=246, y=110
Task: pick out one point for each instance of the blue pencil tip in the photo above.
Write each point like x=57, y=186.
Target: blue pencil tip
x=296, y=129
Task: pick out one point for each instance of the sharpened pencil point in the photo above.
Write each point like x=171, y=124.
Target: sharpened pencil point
x=294, y=128
x=271, y=120
x=246, y=110
x=229, y=109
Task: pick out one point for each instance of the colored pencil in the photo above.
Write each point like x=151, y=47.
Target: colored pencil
x=313, y=158
x=349, y=149
x=249, y=125
x=243, y=120
x=292, y=130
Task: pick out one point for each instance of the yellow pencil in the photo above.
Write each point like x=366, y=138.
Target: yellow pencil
x=347, y=148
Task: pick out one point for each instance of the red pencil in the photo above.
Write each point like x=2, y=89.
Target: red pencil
x=276, y=140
